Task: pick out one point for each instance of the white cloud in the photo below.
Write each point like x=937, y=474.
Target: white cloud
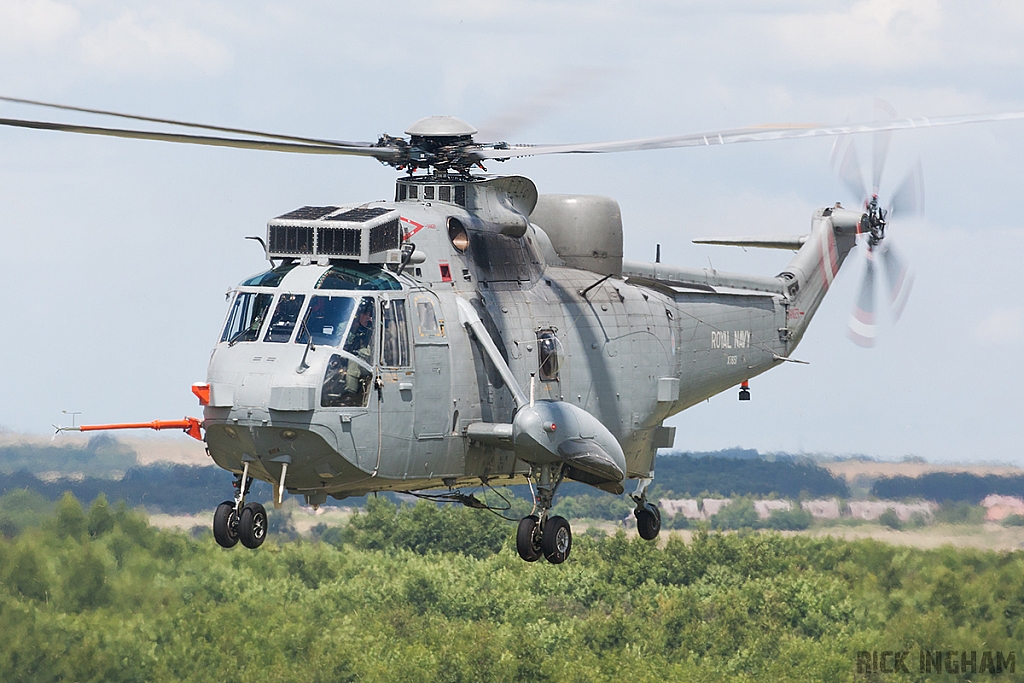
x=130, y=43
x=1001, y=327
x=26, y=24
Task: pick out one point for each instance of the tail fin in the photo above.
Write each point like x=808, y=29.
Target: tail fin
x=809, y=275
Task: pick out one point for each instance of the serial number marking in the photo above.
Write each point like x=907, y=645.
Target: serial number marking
x=731, y=360
x=723, y=339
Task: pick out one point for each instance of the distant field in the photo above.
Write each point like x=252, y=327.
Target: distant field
x=851, y=469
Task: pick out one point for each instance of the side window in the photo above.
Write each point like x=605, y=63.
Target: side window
x=394, y=350
x=285, y=316
x=547, y=355
x=346, y=384
x=428, y=326
x=247, y=315
x=360, y=335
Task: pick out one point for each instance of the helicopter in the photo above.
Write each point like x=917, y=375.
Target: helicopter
x=474, y=332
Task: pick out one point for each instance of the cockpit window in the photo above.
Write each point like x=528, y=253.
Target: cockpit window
x=353, y=277
x=247, y=315
x=285, y=316
x=360, y=337
x=271, y=278
x=326, y=320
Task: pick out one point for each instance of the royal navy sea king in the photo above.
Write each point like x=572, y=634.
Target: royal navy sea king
x=474, y=332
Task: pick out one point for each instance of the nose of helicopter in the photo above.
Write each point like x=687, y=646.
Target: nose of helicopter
x=306, y=454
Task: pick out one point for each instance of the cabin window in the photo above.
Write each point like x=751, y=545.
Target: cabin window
x=346, y=383
x=429, y=327
x=246, y=317
x=394, y=351
x=360, y=335
x=285, y=316
x=444, y=193
x=413, y=191
x=326, y=320
x=547, y=355
x=428, y=192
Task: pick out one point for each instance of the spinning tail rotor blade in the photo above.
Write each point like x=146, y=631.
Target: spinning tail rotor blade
x=863, y=329
x=880, y=146
x=900, y=279
x=849, y=172
x=908, y=199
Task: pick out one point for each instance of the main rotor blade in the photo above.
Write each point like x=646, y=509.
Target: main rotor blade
x=901, y=280
x=751, y=134
x=862, y=328
x=908, y=199
x=185, y=124
x=356, y=149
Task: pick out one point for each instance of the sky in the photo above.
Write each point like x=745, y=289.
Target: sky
x=117, y=253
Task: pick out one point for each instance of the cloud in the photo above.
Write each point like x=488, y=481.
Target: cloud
x=1001, y=327
x=129, y=43
x=27, y=24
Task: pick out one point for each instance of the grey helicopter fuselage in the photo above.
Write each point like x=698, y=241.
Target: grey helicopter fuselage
x=420, y=403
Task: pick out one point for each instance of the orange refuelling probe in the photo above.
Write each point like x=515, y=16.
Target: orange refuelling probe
x=191, y=425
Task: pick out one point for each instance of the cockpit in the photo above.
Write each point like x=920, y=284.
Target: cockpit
x=331, y=311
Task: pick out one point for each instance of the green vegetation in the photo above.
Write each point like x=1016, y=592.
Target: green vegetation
x=689, y=475
x=740, y=514
x=428, y=594
x=949, y=486
x=102, y=456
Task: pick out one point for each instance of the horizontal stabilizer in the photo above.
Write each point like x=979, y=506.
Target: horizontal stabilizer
x=791, y=242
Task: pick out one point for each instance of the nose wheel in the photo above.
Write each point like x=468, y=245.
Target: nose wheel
x=235, y=520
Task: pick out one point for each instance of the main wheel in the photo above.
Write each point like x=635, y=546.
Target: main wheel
x=648, y=521
x=556, y=541
x=252, y=527
x=526, y=539
x=225, y=525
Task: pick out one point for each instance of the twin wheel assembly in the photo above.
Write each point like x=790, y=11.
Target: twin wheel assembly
x=248, y=526
x=235, y=520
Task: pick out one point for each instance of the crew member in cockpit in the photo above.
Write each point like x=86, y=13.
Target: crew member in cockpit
x=360, y=344
x=360, y=337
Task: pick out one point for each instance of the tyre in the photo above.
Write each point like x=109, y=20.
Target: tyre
x=556, y=541
x=526, y=540
x=648, y=522
x=252, y=527
x=225, y=525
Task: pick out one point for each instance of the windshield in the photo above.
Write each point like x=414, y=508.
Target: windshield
x=247, y=315
x=285, y=316
x=326, y=320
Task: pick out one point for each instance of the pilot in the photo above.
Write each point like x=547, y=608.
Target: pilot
x=360, y=338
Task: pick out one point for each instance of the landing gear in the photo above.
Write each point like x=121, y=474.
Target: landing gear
x=648, y=516
x=252, y=525
x=648, y=521
x=528, y=542
x=538, y=534
x=556, y=540
x=225, y=525
x=236, y=520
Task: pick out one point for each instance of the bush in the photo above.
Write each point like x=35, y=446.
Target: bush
x=426, y=527
x=796, y=519
x=890, y=519
x=739, y=514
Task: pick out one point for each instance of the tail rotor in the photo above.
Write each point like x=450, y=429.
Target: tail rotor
x=881, y=256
